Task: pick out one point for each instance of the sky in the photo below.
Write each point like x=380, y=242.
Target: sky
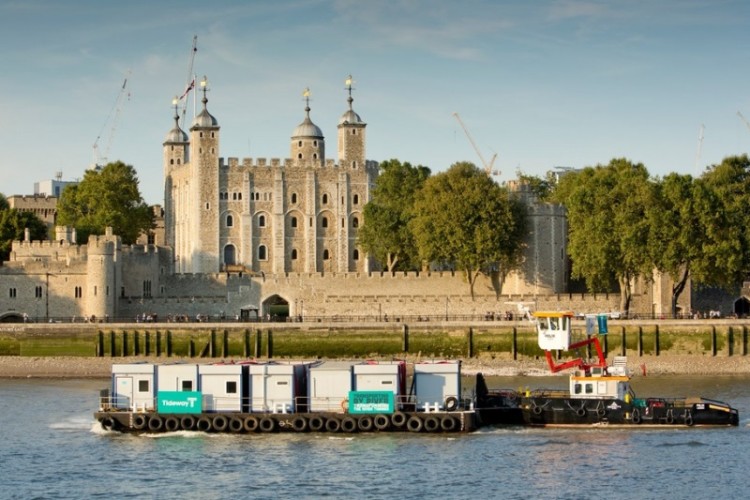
x=540, y=84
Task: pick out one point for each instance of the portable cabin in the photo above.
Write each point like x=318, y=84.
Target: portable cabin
x=328, y=385
x=222, y=387
x=276, y=387
x=435, y=382
x=133, y=386
x=177, y=377
x=380, y=376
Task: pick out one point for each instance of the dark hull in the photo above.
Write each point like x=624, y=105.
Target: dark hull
x=548, y=411
x=245, y=423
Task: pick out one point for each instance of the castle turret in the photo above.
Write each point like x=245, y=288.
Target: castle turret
x=351, y=135
x=308, y=143
x=204, y=179
x=175, y=156
x=101, y=275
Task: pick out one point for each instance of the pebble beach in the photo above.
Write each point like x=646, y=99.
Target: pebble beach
x=90, y=367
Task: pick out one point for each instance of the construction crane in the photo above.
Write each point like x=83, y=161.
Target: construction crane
x=190, y=81
x=700, y=149
x=743, y=119
x=487, y=165
x=112, y=119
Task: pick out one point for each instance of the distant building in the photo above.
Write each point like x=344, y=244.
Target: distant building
x=52, y=187
x=43, y=206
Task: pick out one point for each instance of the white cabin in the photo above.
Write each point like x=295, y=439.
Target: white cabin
x=435, y=382
x=177, y=377
x=133, y=386
x=221, y=387
x=276, y=387
x=329, y=384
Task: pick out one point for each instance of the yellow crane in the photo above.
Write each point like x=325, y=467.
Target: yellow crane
x=487, y=165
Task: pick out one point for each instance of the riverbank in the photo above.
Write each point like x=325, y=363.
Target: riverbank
x=92, y=367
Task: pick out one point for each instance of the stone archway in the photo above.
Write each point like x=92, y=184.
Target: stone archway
x=11, y=317
x=230, y=255
x=275, y=308
x=742, y=307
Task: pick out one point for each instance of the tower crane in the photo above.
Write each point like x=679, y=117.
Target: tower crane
x=112, y=120
x=743, y=119
x=487, y=166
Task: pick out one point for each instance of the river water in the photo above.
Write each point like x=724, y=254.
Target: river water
x=50, y=447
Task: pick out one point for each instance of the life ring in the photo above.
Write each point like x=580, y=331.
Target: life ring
x=187, y=423
x=448, y=423
x=333, y=425
x=581, y=412
x=399, y=419
x=236, y=424
x=431, y=424
x=267, y=424
x=381, y=422
x=345, y=405
x=250, y=424
x=171, y=424
x=670, y=418
x=537, y=410
x=365, y=423
x=220, y=423
x=299, y=423
x=636, y=416
x=140, y=422
x=348, y=424
x=414, y=424
x=451, y=403
x=317, y=423
x=689, y=419
x=155, y=423
x=108, y=423
x=203, y=424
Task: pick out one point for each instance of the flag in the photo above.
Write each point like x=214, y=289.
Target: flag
x=190, y=87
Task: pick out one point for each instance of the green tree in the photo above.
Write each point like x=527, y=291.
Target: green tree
x=12, y=225
x=385, y=233
x=106, y=197
x=608, y=227
x=3, y=202
x=464, y=218
x=691, y=235
x=730, y=180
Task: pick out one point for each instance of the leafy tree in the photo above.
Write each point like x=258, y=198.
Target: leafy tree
x=385, y=233
x=541, y=187
x=608, y=227
x=691, y=235
x=12, y=225
x=464, y=218
x=730, y=180
x=3, y=202
x=106, y=197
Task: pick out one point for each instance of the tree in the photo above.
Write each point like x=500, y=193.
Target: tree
x=385, y=233
x=106, y=197
x=608, y=227
x=464, y=218
x=691, y=235
x=12, y=228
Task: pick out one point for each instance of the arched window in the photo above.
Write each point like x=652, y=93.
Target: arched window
x=261, y=221
x=324, y=200
x=355, y=199
x=294, y=197
x=299, y=156
x=355, y=222
x=230, y=220
x=294, y=254
x=293, y=222
x=230, y=255
x=299, y=144
x=355, y=254
x=326, y=255
x=324, y=222
x=315, y=156
x=262, y=253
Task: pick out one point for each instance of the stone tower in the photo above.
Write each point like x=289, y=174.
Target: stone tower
x=176, y=149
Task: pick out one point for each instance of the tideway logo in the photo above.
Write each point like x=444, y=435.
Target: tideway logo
x=179, y=402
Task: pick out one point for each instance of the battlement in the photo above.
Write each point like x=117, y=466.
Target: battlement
x=250, y=163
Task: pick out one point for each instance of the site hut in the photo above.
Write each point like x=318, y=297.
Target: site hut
x=437, y=384
x=329, y=384
x=133, y=386
x=381, y=376
x=277, y=387
x=177, y=377
x=222, y=387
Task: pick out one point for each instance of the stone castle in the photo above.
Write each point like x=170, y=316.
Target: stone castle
x=249, y=239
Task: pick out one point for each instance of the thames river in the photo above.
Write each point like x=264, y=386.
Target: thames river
x=50, y=447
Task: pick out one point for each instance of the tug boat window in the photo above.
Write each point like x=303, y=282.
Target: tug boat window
x=577, y=388
x=589, y=388
x=143, y=386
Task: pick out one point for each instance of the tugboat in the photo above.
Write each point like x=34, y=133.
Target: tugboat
x=598, y=395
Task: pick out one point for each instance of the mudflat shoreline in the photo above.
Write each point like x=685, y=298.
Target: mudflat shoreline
x=92, y=367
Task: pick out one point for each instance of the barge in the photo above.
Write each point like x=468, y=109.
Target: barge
x=598, y=394
x=251, y=397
